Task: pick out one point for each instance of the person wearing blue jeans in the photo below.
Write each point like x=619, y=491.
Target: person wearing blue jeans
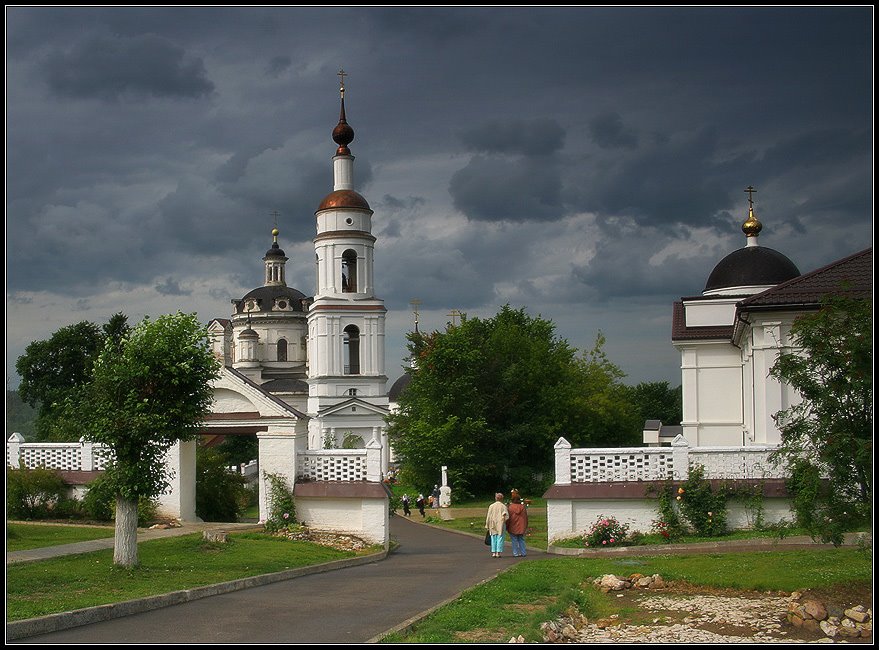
x=495, y=523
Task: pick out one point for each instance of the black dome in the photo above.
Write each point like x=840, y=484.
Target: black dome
x=265, y=297
x=399, y=386
x=275, y=251
x=751, y=266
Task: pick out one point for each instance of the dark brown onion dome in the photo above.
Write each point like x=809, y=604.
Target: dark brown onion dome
x=265, y=298
x=752, y=266
x=343, y=134
x=343, y=199
x=248, y=334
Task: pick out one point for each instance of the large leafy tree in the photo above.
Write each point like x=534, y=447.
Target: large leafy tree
x=829, y=433
x=657, y=400
x=147, y=391
x=489, y=399
x=51, y=370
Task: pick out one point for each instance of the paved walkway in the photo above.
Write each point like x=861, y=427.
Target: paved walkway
x=356, y=604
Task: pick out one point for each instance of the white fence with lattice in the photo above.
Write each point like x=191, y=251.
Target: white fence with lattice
x=65, y=456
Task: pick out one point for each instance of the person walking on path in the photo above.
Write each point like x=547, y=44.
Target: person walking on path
x=495, y=521
x=517, y=524
x=435, y=495
x=420, y=504
x=406, y=510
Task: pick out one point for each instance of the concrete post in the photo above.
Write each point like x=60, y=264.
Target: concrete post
x=88, y=455
x=277, y=455
x=13, y=449
x=562, y=462
x=374, y=461
x=680, y=457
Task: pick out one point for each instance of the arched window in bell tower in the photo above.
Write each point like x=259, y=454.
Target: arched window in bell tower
x=282, y=350
x=349, y=271
x=352, y=350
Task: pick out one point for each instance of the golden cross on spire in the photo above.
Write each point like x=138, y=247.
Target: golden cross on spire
x=750, y=190
x=415, y=302
x=275, y=214
x=342, y=74
x=454, y=314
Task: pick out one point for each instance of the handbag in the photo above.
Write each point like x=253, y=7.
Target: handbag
x=487, y=538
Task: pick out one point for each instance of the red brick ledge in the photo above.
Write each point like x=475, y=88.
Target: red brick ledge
x=772, y=487
x=340, y=489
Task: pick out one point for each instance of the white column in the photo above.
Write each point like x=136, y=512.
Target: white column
x=562, y=462
x=373, y=461
x=680, y=456
x=277, y=455
x=13, y=449
x=87, y=458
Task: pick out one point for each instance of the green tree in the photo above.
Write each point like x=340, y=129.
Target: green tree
x=51, y=370
x=830, y=432
x=20, y=416
x=657, y=400
x=490, y=398
x=220, y=495
x=146, y=393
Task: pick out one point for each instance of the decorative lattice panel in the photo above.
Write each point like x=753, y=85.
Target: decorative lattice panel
x=52, y=456
x=605, y=467
x=101, y=456
x=332, y=467
x=736, y=463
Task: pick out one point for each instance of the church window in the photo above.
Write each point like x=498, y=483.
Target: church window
x=352, y=392
x=282, y=350
x=352, y=350
x=349, y=271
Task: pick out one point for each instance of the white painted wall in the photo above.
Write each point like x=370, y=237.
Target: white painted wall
x=364, y=518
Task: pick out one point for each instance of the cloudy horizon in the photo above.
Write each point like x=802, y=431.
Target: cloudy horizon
x=587, y=164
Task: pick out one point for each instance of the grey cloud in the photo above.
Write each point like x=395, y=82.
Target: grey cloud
x=278, y=65
x=170, y=287
x=498, y=189
x=112, y=68
x=608, y=132
x=540, y=137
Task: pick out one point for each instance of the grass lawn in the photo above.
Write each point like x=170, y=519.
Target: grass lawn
x=21, y=537
x=519, y=600
x=166, y=565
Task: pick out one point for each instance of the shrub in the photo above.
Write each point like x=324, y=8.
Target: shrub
x=282, y=508
x=606, y=531
x=702, y=507
x=669, y=525
x=36, y=493
x=99, y=503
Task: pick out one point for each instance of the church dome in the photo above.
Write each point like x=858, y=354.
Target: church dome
x=399, y=386
x=343, y=199
x=275, y=251
x=752, y=266
x=267, y=297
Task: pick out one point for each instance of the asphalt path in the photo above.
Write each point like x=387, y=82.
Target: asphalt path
x=352, y=605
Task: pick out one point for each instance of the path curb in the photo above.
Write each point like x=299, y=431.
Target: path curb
x=66, y=620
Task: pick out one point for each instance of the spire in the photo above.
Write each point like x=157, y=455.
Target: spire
x=752, y=225
x=343, y=134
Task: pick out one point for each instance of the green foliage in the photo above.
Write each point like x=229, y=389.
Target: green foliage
x=99, y=503
x=703, y=507
x=220, y=495
x=606, y=531
x=145, y=397
x=490, y=398
x=237, y=449
x=669, y=525
x=52, y=370
x=656, y=400
x=37, y=493
x=282, y=507
x=832, y=428
x=21, y=417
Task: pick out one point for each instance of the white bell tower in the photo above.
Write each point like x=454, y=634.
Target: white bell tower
x=347, y=398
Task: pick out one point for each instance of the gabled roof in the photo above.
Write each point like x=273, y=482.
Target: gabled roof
x=354, y=401
x=851, y=276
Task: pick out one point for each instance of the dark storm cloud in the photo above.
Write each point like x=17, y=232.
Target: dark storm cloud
x=170, y=287
x=112, y=68
x=278, y=65
x=532, y=138
x=608, y=132
x=502, y=189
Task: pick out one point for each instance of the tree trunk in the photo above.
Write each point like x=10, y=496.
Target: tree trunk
x=125, y=541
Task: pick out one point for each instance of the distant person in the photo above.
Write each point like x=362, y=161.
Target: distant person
x=406, y=510
x=495, y=521
x=419, y=503
x=517, y=524
x=435, y=495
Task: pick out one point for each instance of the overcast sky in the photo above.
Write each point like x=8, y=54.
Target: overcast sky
x=588, y=164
